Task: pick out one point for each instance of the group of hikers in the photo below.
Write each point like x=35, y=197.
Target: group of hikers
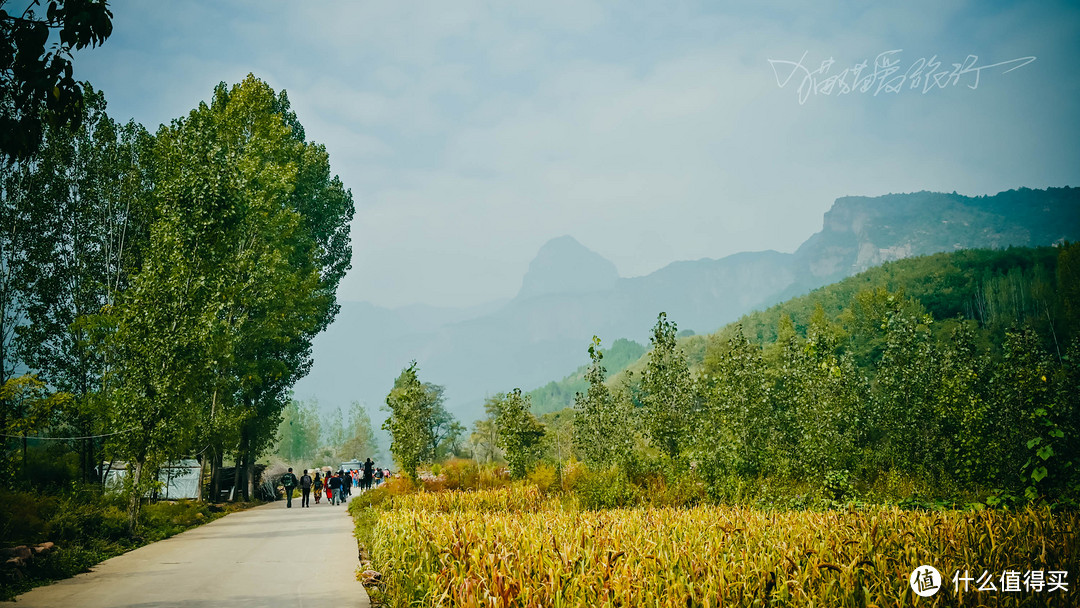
x=338, y=485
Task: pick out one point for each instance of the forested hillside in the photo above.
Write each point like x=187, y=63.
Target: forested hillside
x=951, y=376
x=958, y=369
x=555, y=396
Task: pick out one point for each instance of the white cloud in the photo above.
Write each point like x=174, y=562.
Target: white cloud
x=472, y=132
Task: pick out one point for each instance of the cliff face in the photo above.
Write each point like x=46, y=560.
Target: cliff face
x=861, y=232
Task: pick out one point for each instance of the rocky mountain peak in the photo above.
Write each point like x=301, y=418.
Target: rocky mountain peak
x=563, y=265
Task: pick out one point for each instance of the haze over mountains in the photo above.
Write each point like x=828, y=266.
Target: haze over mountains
x=570, y=293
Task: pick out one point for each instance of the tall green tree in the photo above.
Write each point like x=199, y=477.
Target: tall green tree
x=520, y=434
x=410, y=422
x=248, y=242
x=89, y=184
x=668, y=393
x=603, y=431
x=359, y=436
x=734, y=427
x=298, y=433
x=446, y=431
x=484, y=439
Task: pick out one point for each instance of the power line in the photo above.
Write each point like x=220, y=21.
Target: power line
x=67, y=438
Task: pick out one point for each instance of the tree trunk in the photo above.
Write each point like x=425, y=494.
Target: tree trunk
x=91, y=456
x=136, y=497
x=215, y=476
x=236, y=474
x=249, y=474
x=202, y=478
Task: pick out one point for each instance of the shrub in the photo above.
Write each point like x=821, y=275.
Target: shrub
x=544, y=477
x=23, y=516
x=493, y=476
x=573, y=471
x=683, y=490
x=461, y=474
x=607, y=488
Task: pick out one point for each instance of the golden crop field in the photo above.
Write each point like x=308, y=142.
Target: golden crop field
x=515, y=547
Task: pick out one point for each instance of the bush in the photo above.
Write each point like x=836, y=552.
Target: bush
x=606, y=489
x=23, y=516
x=573, y=472
x=493, y=476
x=461, y=474
x=544, y=477
x=683, y=490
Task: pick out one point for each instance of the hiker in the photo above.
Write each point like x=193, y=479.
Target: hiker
x=346, y=485
x=288, y=481
x=369, y=473
x=333, y=488
x=378, y=477
x=305, y=490
x=317, y=485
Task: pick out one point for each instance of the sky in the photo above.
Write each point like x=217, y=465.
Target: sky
x=471, y=133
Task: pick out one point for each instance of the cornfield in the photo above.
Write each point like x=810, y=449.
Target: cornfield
x=514, y=547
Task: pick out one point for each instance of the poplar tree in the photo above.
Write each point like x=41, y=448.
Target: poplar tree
x=520, y=434
x=603, y=434
x=668, y=393
x=410, y=422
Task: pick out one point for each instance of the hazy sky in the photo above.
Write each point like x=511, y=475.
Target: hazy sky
x=470, y=132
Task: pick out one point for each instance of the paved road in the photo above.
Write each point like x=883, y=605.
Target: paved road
x=263, y=557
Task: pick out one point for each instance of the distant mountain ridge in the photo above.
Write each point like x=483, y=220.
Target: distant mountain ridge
x=571, y=293
x=564, y=265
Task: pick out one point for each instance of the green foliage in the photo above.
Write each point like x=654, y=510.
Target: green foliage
x=874, y=397
x=189, y=272
x=668, y=393
x=37, y=86
x=298, y=433
x=520, y=434
x=731, y=429
x=607, y=488
x=603, y=434
x=345, y=436
x=555, y=396
x=446, y=431
x=947, y=285
x=410, y=424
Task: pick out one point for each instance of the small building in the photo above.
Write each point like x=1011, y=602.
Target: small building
x=179, y=478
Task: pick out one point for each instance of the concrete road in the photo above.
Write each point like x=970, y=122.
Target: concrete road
x=263, y=557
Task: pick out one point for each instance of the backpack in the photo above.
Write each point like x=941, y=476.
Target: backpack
x=288, y=480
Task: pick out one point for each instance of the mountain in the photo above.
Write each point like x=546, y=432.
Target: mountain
x=571, y=293
x=861, y=232
x=565, y=266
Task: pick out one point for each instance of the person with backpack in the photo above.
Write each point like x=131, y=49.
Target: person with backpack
x=369, y=474
x=305, y=490
x=346, y=485
x=333, y=488
x=288, y=481
x=317, y=484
